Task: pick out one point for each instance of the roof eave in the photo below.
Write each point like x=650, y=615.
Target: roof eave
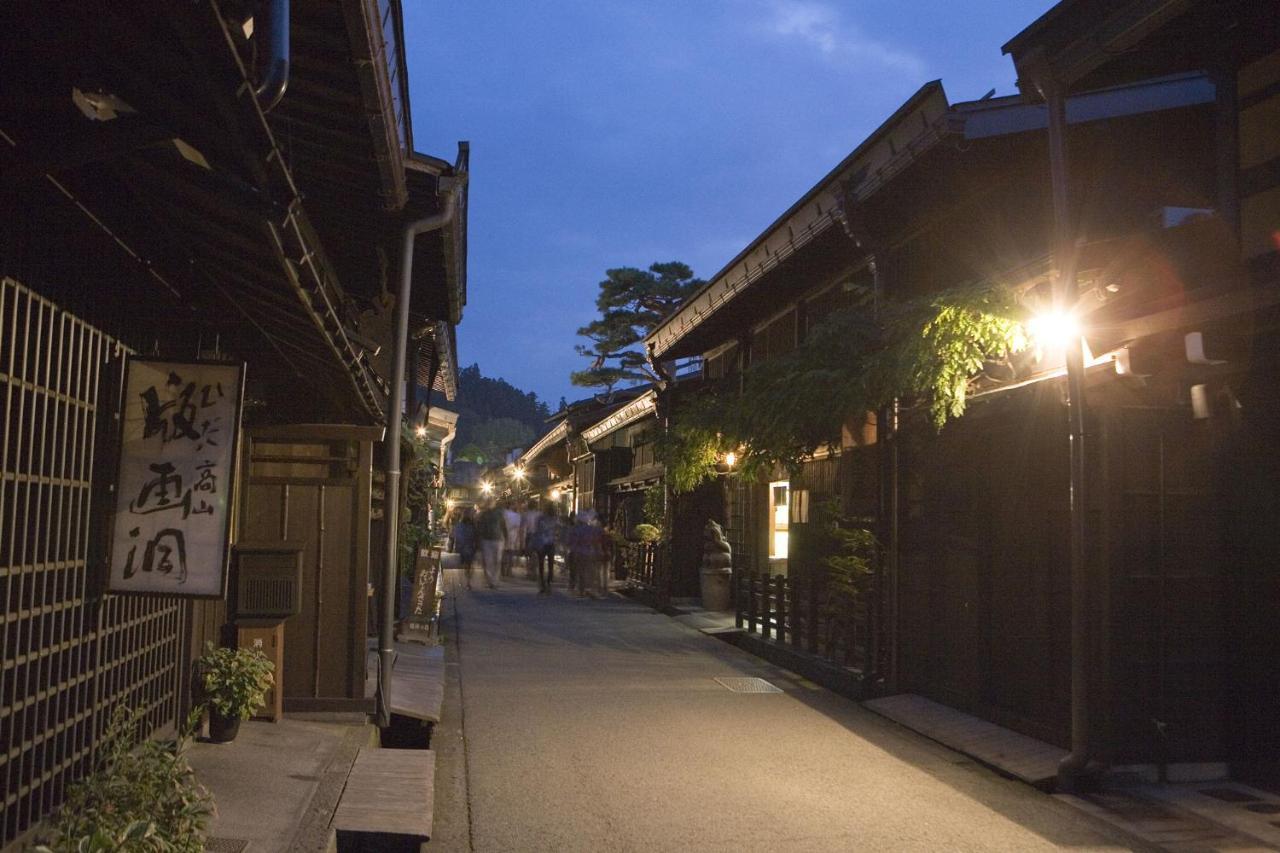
x=655, y=340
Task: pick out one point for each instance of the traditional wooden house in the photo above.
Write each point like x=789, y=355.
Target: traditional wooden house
x=180, y=183
x=1173, y=282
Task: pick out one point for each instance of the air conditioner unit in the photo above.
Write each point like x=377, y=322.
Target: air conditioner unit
x=268, y=581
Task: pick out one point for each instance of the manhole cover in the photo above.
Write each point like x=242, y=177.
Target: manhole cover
x=1229, y=795
x=748, y=685
x=225, y=845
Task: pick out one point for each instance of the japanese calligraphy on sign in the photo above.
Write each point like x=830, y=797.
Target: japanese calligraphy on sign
x=180, y=425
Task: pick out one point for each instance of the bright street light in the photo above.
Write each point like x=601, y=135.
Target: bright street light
x=730, y=458
x=1053, y=330
x=420, y=432
x=486, y=487
x=555, y=494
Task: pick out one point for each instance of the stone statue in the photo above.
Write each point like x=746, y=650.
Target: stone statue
x=717, y=571
x=716, y=551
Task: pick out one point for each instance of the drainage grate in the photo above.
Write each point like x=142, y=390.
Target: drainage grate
x=748, y=685
x=1229, y=795
x=225, y=845
x=1264, y=808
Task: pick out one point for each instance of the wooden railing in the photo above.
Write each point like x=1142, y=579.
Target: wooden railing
x=803, y=615
x=646, y=565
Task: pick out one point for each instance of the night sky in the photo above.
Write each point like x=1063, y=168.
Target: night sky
x=609, y=134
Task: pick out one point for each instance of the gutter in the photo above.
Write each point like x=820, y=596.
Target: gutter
x=275, y=36
x=386, y=640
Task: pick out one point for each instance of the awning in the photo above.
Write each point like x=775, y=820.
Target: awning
x=641, y=407
x=642, y=477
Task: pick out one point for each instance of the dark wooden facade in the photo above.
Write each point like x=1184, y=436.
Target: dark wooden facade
x=148, y=206
x=972, y=605
x=310, y=485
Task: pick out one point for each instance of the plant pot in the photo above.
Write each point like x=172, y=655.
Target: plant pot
x=716, y=592
x=223, y=729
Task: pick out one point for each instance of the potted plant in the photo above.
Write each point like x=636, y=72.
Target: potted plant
x=233, y=685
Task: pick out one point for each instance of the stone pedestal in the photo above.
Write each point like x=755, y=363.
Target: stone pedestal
x=717, y=592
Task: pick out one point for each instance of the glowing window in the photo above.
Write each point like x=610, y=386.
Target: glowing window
x=779, y=518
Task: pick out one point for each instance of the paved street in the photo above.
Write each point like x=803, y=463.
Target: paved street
x=581, y=725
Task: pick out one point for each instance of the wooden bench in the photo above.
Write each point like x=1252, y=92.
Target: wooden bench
x=388, y=802
x=417, y=682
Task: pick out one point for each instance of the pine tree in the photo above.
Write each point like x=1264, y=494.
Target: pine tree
x=632, y=302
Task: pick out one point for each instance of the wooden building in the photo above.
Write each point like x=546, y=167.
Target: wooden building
x=1171, y=198
x=163, y=195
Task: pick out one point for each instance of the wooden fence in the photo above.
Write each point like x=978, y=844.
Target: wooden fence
x=646, y=565
x=802, y=614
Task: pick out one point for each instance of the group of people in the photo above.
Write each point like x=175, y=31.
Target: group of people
x=503, y=531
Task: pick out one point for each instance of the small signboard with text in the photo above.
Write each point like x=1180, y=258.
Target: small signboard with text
x=179, y=432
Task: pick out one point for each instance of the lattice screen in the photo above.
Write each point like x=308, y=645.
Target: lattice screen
x=69, y=655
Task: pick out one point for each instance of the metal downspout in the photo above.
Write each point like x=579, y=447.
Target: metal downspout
x=275, y=68
x=391, y=513
x=1072, y=769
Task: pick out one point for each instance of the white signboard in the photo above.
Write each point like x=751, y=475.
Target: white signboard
x=181, y=423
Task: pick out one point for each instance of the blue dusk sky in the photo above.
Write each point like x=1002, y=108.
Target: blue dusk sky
x=607, y=133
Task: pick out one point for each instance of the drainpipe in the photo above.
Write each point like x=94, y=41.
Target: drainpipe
x=275, y=39
x=1072, y=769
x=391, y=514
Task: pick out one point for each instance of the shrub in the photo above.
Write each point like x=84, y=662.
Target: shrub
x=137, y=800
x=647, y=533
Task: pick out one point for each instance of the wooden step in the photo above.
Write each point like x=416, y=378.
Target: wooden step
x=390, y=793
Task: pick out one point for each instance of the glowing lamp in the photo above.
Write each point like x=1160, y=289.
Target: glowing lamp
x=730, y=458
x=555, y=494
x=1053, y=330
x=420, y=432
x=486, y=487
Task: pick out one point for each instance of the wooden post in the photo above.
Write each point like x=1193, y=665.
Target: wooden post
x=766, y=607
x=751, y=602
x=735, y=584
x=784, y=584
x=813, y=616
x=796, y=606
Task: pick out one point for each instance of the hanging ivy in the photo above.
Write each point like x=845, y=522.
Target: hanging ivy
x=927, y=351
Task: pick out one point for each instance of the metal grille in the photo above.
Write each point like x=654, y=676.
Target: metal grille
x=68, y=654
x=747, y=685
x=739, y=522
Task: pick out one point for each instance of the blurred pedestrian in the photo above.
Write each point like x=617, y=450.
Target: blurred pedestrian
x=512, y=546
x=464, y=542
x=542, y=544
x=529, y=515
x=586, y=546
x=492, y=529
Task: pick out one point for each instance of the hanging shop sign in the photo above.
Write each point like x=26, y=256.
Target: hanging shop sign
x=179, y=434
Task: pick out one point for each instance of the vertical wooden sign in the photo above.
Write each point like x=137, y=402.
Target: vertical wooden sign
x=179, y=433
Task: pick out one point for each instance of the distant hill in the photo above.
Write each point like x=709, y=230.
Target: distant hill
x=494, y=416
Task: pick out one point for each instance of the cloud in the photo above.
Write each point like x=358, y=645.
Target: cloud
x=821, y=26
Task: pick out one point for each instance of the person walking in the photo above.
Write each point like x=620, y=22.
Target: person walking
x=529, y=515
x=586, y=546
x=565, y=545
x=492, y=529
x=542, y=545
x=464, y=542
x=512, y=545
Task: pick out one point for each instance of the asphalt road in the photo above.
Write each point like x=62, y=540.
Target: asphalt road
x=598, y=726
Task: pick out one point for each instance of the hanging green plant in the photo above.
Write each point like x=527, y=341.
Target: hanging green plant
x=858, y=360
